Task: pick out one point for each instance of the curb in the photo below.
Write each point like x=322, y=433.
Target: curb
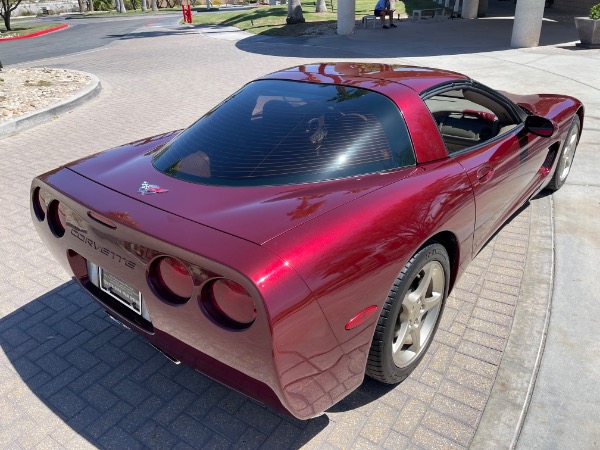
x=34, y=118
x=37, y=33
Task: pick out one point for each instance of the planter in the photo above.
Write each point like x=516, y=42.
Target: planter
x=589, y=32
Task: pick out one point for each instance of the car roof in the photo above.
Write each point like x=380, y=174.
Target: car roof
x=370, y=75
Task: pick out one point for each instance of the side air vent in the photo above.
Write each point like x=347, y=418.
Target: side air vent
x=552, y=152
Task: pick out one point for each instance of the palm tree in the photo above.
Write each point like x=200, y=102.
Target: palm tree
x=294, y=12
x=120, y=6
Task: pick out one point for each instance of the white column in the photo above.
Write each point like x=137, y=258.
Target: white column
x=528, y=23
x=346, y=17
x=469, y=9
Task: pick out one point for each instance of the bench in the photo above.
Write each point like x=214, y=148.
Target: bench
x=366, y=19
x=435, y=13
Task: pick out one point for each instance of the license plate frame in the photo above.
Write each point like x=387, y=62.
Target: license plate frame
x=121, y=291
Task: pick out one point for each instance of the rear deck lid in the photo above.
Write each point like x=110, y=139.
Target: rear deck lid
x=254, y=213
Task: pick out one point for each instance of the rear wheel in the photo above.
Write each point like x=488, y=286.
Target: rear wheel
x=563, y=167
x=410, y=315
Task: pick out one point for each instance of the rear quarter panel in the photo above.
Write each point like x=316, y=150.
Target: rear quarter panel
x=351, y=256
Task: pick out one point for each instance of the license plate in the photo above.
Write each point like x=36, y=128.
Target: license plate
x=118, y=289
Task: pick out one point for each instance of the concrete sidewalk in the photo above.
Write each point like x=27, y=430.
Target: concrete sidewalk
x=70, y=378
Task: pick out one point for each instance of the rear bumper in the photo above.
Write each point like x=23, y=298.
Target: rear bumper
x=288, y=359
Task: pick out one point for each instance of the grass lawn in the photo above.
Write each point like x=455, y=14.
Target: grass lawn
x=270, y=20
x=21, y=29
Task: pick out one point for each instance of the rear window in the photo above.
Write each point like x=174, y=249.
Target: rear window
x=285, y=132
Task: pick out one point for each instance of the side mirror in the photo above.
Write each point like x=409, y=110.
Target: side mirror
x=540, y=126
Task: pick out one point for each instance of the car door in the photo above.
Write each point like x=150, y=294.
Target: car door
x=486, y=136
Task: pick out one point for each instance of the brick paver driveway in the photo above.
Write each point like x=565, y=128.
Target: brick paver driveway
x=69, y=377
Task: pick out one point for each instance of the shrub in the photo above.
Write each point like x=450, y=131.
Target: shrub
x=595, y=12
x=103, y=5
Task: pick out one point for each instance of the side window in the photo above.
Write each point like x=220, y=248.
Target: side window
x=467, y=117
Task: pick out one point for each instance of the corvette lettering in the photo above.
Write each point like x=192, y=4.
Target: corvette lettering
x=105, y=251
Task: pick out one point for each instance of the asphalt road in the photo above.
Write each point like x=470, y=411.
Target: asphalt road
x=82, y=35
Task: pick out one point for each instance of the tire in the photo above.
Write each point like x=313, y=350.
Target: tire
x=565, y=158
x=410, y=315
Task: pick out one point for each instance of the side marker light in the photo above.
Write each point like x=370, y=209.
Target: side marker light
x=361, y=317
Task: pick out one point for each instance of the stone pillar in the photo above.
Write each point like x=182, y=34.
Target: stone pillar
x=528, y=23
x=346, y=17
x=469, y=9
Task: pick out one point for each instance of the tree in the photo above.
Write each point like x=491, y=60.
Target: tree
x=321, y=6
x=6, y=9
x=144, y=5
x=294, y=12
x=154, y=5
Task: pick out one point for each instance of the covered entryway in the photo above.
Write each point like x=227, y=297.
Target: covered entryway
x=528, y=16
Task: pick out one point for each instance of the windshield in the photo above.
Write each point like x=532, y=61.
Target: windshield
x=285, y=132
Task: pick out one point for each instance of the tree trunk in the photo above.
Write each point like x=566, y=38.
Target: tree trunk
x=80, y=2
x=294, y=12
x=321, y=6
x=154, y=6
x=7, y=21
x=144, y=5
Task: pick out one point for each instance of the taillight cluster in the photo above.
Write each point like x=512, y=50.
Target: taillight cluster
x=45, y=207
x=229, y=303
x=171, y=279
x=226, y=302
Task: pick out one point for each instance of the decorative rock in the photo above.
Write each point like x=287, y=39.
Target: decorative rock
x=25, y=90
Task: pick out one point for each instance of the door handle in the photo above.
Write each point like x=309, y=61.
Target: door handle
x=485, y=173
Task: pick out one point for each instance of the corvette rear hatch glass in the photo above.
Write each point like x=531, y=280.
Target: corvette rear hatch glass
x=275, y=132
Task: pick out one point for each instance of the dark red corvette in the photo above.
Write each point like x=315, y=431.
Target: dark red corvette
x=308, y=229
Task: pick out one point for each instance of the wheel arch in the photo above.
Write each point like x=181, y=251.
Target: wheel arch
x=450, y=243
x=580, y=113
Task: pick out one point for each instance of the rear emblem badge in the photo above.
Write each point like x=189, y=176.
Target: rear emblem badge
x=146, y=189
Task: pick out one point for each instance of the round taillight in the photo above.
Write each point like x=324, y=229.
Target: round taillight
x=39, y=205
x=230, y=304
x=56, y=218
x=171, y=279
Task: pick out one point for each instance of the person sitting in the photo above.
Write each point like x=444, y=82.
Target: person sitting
x=382, y=9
